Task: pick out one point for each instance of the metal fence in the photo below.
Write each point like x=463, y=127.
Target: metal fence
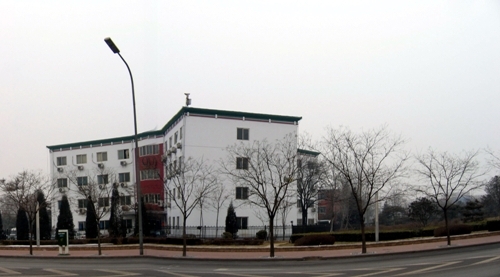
x=208, y=232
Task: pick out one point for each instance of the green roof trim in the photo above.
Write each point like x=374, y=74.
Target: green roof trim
x=308, y=152
x=183, y=111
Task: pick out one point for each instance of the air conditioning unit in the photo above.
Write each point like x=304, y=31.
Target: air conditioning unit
x=102, y=186
x=313, y=210
x=82, y=211
x=160, y=203
x=60, y=169
x=169, y=152
x=62, y=190
x=123, y=185
x=100, y=165
x=123, y=163
x=80, y=167
x=173, y=149
x=169, y=205
x=179, y=145
x=125, y=208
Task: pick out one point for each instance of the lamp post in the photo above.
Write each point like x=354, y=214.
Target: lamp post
x=115, y=50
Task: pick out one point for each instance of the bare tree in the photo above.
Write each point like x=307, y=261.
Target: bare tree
x=310, y=174
x=188, y=183
x=219, y=195
x=96, y=186
x=369, y=162
x=448, y=178
x=23, y=190
x=268, y=171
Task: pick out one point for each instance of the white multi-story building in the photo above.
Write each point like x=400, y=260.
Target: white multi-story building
x=191, y=133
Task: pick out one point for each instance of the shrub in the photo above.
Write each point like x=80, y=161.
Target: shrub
x=458, y=229
x=262, y=234
x=227, y=235
x=493, y=225
x=324, y=239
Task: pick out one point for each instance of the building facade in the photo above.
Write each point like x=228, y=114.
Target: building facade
x=192, y=133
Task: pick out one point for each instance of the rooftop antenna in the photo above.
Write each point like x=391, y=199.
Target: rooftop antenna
x=188, y=100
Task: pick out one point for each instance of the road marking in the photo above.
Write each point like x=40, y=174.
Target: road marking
x=380, y=272
x=60, y=272
x=119, y=273
x=176, y=274
x=488, y=260
x=8, y=271
x=328, y=274
x=428, y=268
x=242, y=275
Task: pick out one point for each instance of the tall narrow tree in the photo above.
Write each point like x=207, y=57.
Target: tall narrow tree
x=22, y=225
x=114, y=217
x=65, y=218
x=45, y=225
x=2, y=232
x=231, y=223
x=90, y=221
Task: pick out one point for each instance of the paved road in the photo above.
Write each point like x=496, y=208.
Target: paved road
x=477, y=261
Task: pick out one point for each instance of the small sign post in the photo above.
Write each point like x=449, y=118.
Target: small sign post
x=63, y=242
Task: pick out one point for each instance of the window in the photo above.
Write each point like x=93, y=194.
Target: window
x=102, y=179
x=125, y=200
x=151, y=198
x=59, y=202
x=176, y=136
x=146, y=150
x=150, y=174
x=82, y=181
x=123, y=154
x=299, y=222
x=170, y=141
x=81, y=159
x=104, y=224
x=242, y=222
x=310, y=221
x=242, y=133
x=124, y=177
x=180, y=133
x=102, y=156
x=241, y=163
x=127, y=223
x=322, y=210
x=82, y=203
x=103, y=202
x=241, y=193
x=81, y=225
x=62, y=183
x=61, y=161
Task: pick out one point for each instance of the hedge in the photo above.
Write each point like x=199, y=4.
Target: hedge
x=458, y=229
x=317, y=239
x=493, y=225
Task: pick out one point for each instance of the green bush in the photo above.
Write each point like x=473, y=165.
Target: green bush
x=310, y=240
x=493, y=225
x=458, y=229
x=227, y=235
x=262, y=234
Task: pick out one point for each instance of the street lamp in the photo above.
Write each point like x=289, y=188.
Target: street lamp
x=115, y=50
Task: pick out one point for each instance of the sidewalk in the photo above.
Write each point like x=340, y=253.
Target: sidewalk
x=253, y=253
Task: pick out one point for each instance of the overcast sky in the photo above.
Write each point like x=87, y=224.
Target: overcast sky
x=430, y=70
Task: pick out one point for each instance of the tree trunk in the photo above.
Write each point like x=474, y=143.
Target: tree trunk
x=271, y=238
x=217, y=224
x=99, y=239
x=184, y=240
x=363, y=237
x=30, y=237
x=447, y=227
x=304, y=217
